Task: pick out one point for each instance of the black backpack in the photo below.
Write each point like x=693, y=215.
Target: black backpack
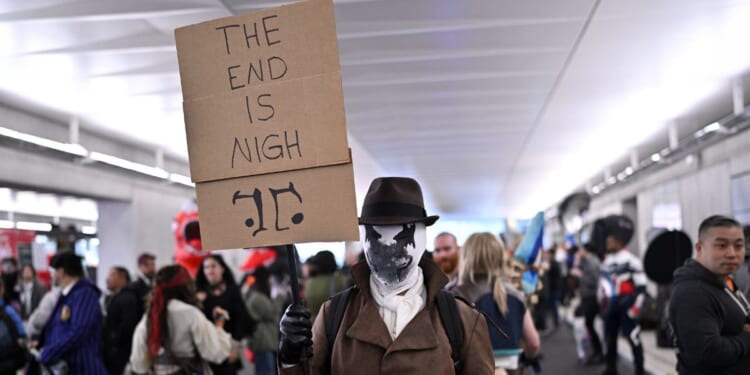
x=12, y=354
x=447, y=308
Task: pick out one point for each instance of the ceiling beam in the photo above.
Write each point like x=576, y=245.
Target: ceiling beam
x=105, y=10
x=434, y=78
x=390, y=57
x=138, y=43
x=152, y=69
x=411, y=27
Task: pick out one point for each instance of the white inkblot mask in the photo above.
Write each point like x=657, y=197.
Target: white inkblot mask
x=393, y=253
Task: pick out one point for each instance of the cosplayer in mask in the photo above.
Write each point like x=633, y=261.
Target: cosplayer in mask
x=396, y=282
x=392, y=252
x=392, y=308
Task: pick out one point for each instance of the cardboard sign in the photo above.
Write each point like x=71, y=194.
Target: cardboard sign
x=262, y=92
x=308, y=205
x=266, y=131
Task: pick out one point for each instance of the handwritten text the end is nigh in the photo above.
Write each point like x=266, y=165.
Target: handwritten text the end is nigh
x=256, y=35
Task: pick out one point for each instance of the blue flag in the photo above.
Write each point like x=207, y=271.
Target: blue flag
x=528, y=251
x=531, y=244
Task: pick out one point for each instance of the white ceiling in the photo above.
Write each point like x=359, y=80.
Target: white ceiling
x=499, y=107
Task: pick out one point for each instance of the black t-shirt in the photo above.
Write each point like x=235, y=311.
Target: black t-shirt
x=231, y=301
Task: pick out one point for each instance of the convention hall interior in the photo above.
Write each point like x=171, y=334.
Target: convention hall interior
x=500, y=109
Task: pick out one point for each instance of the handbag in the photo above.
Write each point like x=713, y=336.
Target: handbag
x=169, y=364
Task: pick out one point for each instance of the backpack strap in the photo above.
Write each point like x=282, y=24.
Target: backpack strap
x=493, y=324
x=335, y=316
x=453, y=325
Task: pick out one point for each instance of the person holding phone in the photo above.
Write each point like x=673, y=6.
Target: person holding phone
x=223, y=303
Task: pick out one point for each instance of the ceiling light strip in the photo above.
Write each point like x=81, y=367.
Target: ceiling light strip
x=181, y=179
x=73, y=149
x=129, y=165
x=78, y=150
x=30, y=225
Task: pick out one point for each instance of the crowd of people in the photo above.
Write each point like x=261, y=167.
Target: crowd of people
x=164, y=322
x=397, y=308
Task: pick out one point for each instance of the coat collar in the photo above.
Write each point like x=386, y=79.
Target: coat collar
x=369, y=326
x=82, y=283
x=66, y=290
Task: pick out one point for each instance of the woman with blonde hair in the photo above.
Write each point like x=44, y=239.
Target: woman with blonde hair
x=481, y=280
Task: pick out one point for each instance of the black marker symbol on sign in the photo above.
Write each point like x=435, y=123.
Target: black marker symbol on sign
x=257, y=197
x=298, y=217
x=258, y=205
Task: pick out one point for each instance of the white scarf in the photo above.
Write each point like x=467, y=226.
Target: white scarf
x=396, y=310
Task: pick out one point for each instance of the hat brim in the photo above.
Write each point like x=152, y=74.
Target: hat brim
x=398, y=220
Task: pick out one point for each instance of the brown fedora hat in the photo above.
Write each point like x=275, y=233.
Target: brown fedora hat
x=393, y=201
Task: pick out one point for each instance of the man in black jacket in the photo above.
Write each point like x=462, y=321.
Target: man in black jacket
x=708, y=313
x=124, y=311
x=145, y=275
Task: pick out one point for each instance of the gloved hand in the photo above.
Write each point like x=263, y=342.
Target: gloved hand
x=295, y=343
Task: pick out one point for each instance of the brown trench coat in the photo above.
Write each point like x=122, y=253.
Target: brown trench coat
x=363, y=345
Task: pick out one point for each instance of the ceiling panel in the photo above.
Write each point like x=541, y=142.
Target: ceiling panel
x=639, y=66
x=499, y=107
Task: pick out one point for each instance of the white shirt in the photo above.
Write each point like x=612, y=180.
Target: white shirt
x=67, y=289
x=188, y=330
x=144, y=278
x=26, y=291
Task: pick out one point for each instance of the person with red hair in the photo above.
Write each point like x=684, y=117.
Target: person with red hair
x=174, y=337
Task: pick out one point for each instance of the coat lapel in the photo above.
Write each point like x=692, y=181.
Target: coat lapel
x=369, y=326
x=419, y=334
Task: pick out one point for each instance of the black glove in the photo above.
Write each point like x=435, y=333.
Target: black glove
x=296, y=335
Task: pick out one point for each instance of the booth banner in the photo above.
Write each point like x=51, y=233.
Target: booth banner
x=266, y=129
x=12, y=241
x=8, y=243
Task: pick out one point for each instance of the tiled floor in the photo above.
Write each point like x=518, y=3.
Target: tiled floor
x=658, y=361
